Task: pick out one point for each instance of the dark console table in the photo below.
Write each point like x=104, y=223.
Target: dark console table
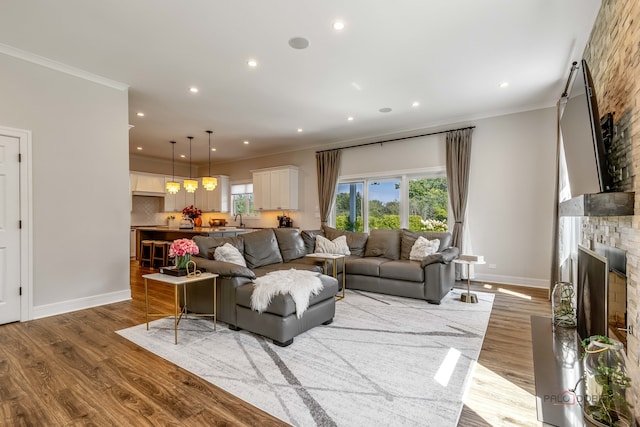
x=557, y=369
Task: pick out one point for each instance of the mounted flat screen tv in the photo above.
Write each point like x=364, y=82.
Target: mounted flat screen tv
x=582, y=137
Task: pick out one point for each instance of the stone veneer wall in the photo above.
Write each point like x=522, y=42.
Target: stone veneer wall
x=613, y=56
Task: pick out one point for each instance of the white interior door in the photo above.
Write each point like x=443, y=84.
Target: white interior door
x=9, y=229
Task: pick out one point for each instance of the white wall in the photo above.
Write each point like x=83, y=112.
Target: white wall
x=511, y=188
x=80, y=177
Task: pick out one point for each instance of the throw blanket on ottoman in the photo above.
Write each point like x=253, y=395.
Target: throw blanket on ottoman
x=300, y=284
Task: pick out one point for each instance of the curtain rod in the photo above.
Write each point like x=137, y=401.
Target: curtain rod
x=574, y=67
x=393, y=140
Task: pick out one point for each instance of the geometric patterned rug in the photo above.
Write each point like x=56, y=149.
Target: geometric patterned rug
x=384, y=360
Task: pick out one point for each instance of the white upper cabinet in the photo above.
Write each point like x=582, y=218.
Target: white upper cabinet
x=216, y=200
x=175, y=202
x=275, y=188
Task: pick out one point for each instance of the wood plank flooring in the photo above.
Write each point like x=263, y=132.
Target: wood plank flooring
x=72, y=369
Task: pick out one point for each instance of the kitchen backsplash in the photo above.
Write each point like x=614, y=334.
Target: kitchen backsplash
x=147, y=211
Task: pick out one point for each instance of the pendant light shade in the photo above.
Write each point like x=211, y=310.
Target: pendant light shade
x=172, y=186
x=191, y=185
x=208, y=182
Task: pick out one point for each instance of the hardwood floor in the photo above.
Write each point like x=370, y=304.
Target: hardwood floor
x=72, y=369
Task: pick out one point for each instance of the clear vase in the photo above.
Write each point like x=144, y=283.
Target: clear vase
x=563, y=303
x=181, y=261
x=605, y=383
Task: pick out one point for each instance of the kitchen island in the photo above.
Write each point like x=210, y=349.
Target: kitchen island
x=169, y=234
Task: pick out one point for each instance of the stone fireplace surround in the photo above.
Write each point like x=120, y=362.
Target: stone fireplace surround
x=613, y=55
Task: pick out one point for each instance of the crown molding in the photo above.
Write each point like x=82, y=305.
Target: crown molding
x=59, y=66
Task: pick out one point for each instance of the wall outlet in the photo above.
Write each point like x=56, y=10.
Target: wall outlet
x=492, y=266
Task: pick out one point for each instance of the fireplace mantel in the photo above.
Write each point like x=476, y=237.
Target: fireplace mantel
x=599, y=204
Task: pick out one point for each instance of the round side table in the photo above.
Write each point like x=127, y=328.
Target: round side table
x=468, y=297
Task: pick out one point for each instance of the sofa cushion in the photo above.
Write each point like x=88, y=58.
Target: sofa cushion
x=356, y=241
x=365, y=266
x=335, y=246
x=291, y=243
x=383, y=243
x=261, y=248
x=261, y=271
x=410, y=271
x=224, y=269
x=309, y=237
x=409, y=237
x=206, y=243
x=229, y=253
x=283, y=305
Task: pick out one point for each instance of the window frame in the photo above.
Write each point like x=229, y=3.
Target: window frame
x=404, y=177
x=232, y=211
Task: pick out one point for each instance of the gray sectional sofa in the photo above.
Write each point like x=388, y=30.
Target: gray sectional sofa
x=379, y=262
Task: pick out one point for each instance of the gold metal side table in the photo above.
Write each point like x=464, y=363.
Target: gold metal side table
x=177, y=282
x=334, y=258
x=468, y=297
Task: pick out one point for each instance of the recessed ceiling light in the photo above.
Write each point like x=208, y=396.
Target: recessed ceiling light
x=338, y=25
x=299, y=43
x=139, y=148
x=183, y=156
x=140, y=114
x=252, y=63
x=350, y=118
x=299, y=129
x=193, y=89
x=246, y=142
x=385, y=110
x=504, y=84
x=213, y=149
x=415, y=104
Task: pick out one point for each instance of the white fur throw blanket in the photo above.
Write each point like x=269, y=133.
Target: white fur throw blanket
x=300, y=284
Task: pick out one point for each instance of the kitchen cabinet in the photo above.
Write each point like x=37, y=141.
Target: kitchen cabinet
x=275, y=188
x=175, y=202
x=216, y=200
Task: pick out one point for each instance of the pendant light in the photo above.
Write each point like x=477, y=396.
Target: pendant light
x=208, y=182
x=190, y=184
x=172, y=186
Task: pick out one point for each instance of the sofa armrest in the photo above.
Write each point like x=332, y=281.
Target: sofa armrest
x=224, y=269
x=445, y=257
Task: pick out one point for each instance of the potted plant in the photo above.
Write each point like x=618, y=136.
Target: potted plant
x=605, y=383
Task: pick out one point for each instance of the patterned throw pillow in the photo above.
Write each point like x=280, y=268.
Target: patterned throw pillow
x=423, y=247
x=229, y=253
x=335, y=246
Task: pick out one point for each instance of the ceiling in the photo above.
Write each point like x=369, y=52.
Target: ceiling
x=450, y=56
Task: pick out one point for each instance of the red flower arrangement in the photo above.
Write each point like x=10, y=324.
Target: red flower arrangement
x=191, y=212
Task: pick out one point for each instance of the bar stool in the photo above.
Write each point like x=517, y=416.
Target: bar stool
x=159, y=253
x=146, y=252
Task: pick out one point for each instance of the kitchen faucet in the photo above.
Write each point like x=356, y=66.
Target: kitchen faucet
x=236, y=218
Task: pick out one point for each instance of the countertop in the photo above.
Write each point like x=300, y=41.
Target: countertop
x=194, y=230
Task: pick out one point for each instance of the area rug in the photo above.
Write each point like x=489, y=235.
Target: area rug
x=385, y=360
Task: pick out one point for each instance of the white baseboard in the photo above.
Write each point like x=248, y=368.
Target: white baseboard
x=513, y=280
x=62, y=307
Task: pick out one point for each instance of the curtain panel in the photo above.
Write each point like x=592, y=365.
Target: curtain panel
x=458, y=144
x=328, y=169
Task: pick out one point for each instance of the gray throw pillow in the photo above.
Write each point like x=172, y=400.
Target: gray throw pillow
x=383, y=243
x=309, y=237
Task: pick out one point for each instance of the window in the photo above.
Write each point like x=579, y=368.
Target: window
x=242, y=200
x=419, y=203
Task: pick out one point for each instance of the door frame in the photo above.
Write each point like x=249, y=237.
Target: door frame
x=26, y=216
